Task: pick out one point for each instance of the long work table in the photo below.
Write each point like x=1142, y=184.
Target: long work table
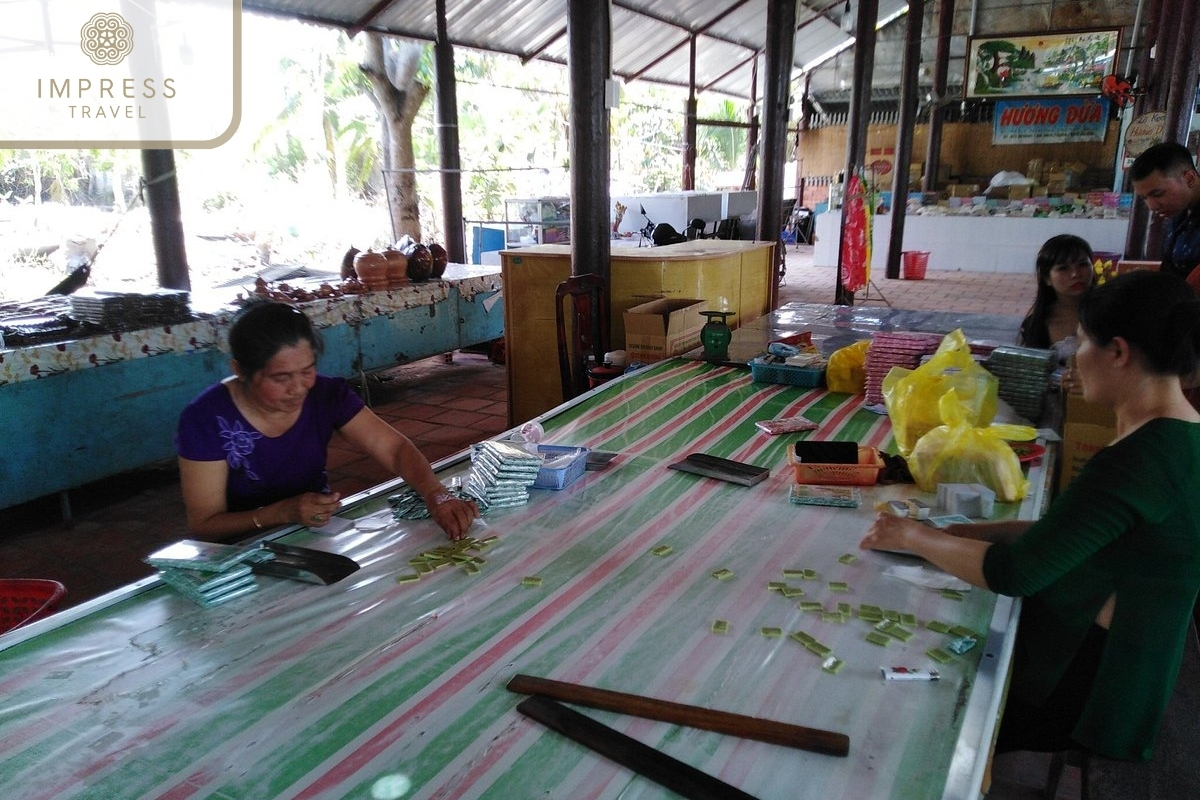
x=377, y=688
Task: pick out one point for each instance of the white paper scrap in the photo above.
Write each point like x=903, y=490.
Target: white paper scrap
x=334, y=526
x=928, y=577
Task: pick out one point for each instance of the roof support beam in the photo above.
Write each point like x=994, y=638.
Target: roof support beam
x=752, y=57
x=372, y=14
x=860, y=113
x=1137, y=245
x=544, y=46
x=166, y=218
x=941, y=66
x=589, y=64
x=446, y=119
x=904, y=132
x=690, y=39
x=689, y=125
x=781, y=25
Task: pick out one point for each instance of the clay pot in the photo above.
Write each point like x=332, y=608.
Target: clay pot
x=397, y=267
x=440, y=257
x=420, y=263
x=371, y=268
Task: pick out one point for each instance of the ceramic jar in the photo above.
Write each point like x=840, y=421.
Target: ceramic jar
x=371, y=267
x=440, y=257
x=397, y=268
x=420, y=262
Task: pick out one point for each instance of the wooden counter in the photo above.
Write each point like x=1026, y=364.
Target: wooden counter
x=729, y=275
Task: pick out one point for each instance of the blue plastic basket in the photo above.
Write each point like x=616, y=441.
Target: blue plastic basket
x=564, y=476
x=785, y=374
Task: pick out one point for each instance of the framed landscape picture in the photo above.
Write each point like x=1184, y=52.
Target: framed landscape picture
x=1039, y=65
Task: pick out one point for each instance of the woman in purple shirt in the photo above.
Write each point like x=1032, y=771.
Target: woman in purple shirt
x=252, y=448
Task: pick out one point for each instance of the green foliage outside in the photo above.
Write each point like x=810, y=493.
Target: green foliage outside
x=309, y=142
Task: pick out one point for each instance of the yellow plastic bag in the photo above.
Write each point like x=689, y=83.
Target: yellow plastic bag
x=959, y=452
x=911, y=395
x=847, y=368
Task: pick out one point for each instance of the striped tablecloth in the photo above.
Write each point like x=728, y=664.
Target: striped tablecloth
x=373, y=688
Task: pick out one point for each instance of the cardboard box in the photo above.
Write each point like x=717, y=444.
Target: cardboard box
x=1087, y=427
x=663, y=328
x=1019, y=192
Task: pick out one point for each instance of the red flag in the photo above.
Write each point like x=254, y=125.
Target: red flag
x=856, y=237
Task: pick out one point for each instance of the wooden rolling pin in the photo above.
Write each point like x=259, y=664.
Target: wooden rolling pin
x=763, y=730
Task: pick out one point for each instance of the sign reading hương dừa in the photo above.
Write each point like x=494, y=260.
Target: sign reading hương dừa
x=1050, y=120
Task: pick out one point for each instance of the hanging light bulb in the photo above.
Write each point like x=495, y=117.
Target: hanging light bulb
x=847, y=18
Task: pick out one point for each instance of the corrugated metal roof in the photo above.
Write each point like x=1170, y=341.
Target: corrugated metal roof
x=651, y=38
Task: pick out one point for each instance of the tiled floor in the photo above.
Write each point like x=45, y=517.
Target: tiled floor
x=443, y=406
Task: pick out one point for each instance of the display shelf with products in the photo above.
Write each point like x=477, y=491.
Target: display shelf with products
x=537, y=220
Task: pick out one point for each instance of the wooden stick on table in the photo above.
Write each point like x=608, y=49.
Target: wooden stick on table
x=763, y=730
x=681, y=778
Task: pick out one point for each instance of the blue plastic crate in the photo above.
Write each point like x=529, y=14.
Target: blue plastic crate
x=563, y=476
x=764, y=372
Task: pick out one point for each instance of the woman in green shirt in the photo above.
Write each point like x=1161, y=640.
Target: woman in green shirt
x=1111, y=573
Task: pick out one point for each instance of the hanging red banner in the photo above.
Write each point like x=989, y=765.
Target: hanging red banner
x=856, y=237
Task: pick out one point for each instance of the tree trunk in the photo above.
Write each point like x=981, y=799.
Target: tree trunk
x=391, y=65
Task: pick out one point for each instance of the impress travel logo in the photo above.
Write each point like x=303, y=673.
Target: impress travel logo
x=107, y=39
x=120, y=73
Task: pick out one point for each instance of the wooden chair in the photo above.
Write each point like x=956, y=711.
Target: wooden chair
x=727, y=229
x=588, y=333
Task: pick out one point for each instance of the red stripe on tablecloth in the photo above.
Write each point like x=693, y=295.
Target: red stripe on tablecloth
x=568, y=596
x=603, y=643
x=679, y=384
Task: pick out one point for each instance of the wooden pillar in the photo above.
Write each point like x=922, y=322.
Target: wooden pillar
x=781, y=30
x=941, y=65
x=1181, y=84
x=589, y=64
x=856, y=123
x=1139, y=216
x=446, y=119
x=161, y=185
x=689, y=122
x=749, y=177
x=904, y=131
x=1164, y=34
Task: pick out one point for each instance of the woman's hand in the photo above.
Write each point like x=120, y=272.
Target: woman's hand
x=314, y=508
x=962, y=558
x=453, y=515
x=890, y=532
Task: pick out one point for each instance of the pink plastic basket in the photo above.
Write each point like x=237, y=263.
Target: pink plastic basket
x=23, y=600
